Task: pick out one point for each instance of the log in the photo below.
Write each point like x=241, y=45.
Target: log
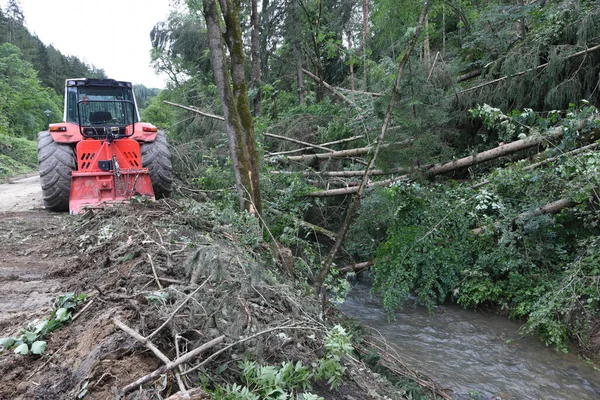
x=551, y=208
x=357, y=267
x=469, y=75
x=464, y=162
x=194, y=109
x=359, y=151
x=359, y=92
x=546, y=161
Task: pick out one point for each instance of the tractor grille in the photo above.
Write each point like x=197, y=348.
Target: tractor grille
x=132, y=158
x=85, y=161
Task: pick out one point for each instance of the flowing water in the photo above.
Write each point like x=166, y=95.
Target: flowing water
x=476, y=354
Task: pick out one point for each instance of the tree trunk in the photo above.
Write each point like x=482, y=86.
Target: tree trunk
x=234, y=100
x=299, y=76
x=349, y=35
x=353, y=208
x=256, y=59
x=426, y=48
x=364, y=43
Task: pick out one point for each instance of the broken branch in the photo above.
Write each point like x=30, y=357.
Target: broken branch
x=165, y=368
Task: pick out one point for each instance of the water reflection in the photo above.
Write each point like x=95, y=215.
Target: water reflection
x=476, y=353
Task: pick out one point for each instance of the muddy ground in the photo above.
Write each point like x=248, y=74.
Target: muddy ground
x=211, y=287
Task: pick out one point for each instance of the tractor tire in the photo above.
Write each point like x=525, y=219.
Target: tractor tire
x=56, y=163
x=157, y=158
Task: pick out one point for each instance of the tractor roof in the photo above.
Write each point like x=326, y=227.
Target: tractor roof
x=97, y=82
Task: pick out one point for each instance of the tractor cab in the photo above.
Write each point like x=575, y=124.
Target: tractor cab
x=102, y=108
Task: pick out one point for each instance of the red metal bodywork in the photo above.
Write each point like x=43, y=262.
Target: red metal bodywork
x=93, y=187
x=67, y=132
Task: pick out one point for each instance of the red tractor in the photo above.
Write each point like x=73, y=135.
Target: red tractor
x=101, y=154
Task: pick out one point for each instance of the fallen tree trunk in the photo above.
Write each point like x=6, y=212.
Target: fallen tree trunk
x=359, y=92
x=464, y=162
x=330, y=88
x=357, y=267
x=194, y=109
x=546, y=161
x=288, y=139
x=551, y=208
x=361, y=151
x=469, y=75
x=321, y=144
x=542, y=66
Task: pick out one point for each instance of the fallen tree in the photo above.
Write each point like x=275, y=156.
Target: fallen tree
x=311, y=146
x=521, y=73
x=439, y=169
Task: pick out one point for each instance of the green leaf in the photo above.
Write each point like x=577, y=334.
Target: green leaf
x=28, y=336
x=7, y=342
x=38, y=347
x=62, y=314
x=22, y=349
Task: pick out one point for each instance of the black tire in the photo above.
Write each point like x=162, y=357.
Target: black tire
x=157, y=158
x=56, y=163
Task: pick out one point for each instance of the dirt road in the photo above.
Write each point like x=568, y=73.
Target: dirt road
x=21, y=194
x=25, y=227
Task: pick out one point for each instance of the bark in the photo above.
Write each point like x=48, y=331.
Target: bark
x=426, y=48
x=357, y=267
x=314, y=146
x=167, y=367
x=299, y=76
x=469, y=75
x=364, y=42
x=326, y=266
x=350, y=46
x=234, y=39
x=360, y=151
x=256, y=78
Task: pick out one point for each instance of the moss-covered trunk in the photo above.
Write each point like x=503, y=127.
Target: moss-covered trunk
x=234, y=100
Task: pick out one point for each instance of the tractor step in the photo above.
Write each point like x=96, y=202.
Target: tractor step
x=108, y=173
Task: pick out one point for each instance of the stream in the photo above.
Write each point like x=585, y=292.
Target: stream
x=476, y=354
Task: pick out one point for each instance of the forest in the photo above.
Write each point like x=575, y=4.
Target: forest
x=446, y=148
